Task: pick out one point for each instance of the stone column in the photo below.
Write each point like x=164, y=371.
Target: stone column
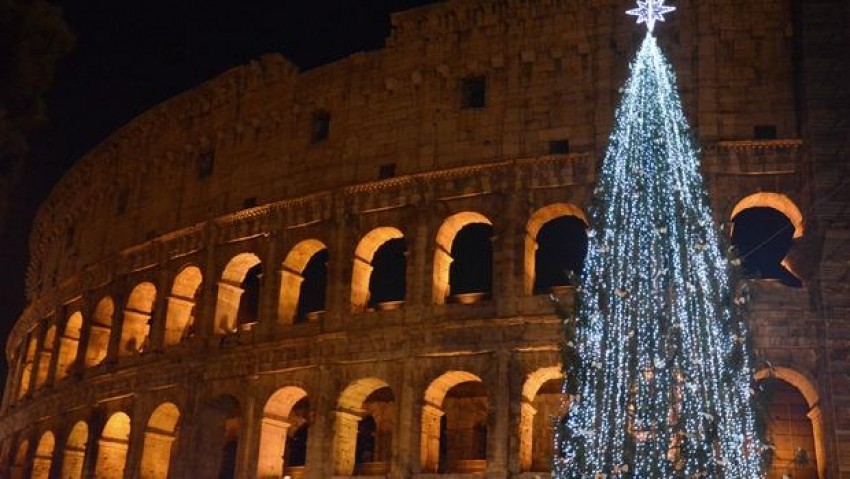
x=177, y=316
x=815, y=415
x=345, y=442
x=498, y=437
x=526, y=435
x=247, y=439
x=226, y=308
x=429, y=443
x=290, y=289
x=272, y=448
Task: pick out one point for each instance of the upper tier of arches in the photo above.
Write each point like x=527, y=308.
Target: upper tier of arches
x=247, y=137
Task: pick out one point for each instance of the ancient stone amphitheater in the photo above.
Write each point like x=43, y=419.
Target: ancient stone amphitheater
x=347, y=271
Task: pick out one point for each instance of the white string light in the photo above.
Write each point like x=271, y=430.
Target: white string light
x=664, y=377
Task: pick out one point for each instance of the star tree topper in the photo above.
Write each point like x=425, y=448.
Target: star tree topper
x=649, y=11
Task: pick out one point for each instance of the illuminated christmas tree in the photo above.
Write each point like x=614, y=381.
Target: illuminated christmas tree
x=656, y=355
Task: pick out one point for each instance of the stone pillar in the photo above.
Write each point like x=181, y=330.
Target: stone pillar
x=135, y=444
x=345, y=442
x=319, y=465
x=113, y=351
x=156, y=455
x=156, y=327
x=404, y=439
x=272, y=448
x=429, y=443
x=177, y=317
x=290, y=289
x=226, y=308
x=205, y=311
x=247, y=439
x=815, y=415
x=498, y=434
x=360, y=276
x=135, y=330
x=526, y=435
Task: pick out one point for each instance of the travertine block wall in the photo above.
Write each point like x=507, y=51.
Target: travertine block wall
x=113, y=242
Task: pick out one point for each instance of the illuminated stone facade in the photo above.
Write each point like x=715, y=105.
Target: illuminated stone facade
x=169, y=332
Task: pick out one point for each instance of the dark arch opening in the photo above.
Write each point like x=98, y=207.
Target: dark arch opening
x=788, y=430
x=312, y=296
x=763, y=237
x=249, y=303
x=561, y=249
x=389, y=270
x=295, y=454
x=365, y=449
x=472, y=268
x=463, y=429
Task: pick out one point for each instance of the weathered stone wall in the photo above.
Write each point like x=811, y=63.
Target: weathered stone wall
x=135, y=211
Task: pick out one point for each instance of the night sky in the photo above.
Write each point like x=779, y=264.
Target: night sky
x=132, y=55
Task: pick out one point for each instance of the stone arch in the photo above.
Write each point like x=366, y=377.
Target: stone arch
x=274, y=430
x=43, y=456
x=19, y=465
x=135, y=328
x=777, y=201
x=112, y=447
x=530, y=424
x=537, y=220
x=29, y=364
x=160, y=434
x=443, y=255
x=219, y=434
x=810, y=393
x=230, y=291
x=45, y=357
x=69, y=345
x=75, y=451
x=292, y=277
x=100, y=329
x=435, y=423
x=352, y=410
x=179, y=318
x=361, y=274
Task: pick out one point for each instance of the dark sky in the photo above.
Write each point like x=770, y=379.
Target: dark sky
x=131, y=55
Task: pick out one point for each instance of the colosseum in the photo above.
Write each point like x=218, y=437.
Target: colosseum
x=348, y=271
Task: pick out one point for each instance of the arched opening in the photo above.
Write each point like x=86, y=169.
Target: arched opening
x=365, y=419
x=303, y=280
x=238, y=293
x=180, y=316
x=555, y=246
x=43, y=456
x=218, y=435
x=471, y=279
x=764, y=228
x=69, y=345
x=379, y=271
x=75, y=451
x=19, y=466
x=100, y=329
x=26, y=371
x=46, y=356
x=160, y=435
x=112, y=447
x=295, y=457
x=285, y=413
x=455, y=425
x=794, y=424
x=541, y=402
x=135, y=328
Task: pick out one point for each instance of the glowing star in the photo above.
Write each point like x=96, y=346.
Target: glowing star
x=649, y=11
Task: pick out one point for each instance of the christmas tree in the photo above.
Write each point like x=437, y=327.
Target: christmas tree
x=656, y=356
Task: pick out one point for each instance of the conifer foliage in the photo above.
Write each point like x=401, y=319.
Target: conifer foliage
x=656, y=354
